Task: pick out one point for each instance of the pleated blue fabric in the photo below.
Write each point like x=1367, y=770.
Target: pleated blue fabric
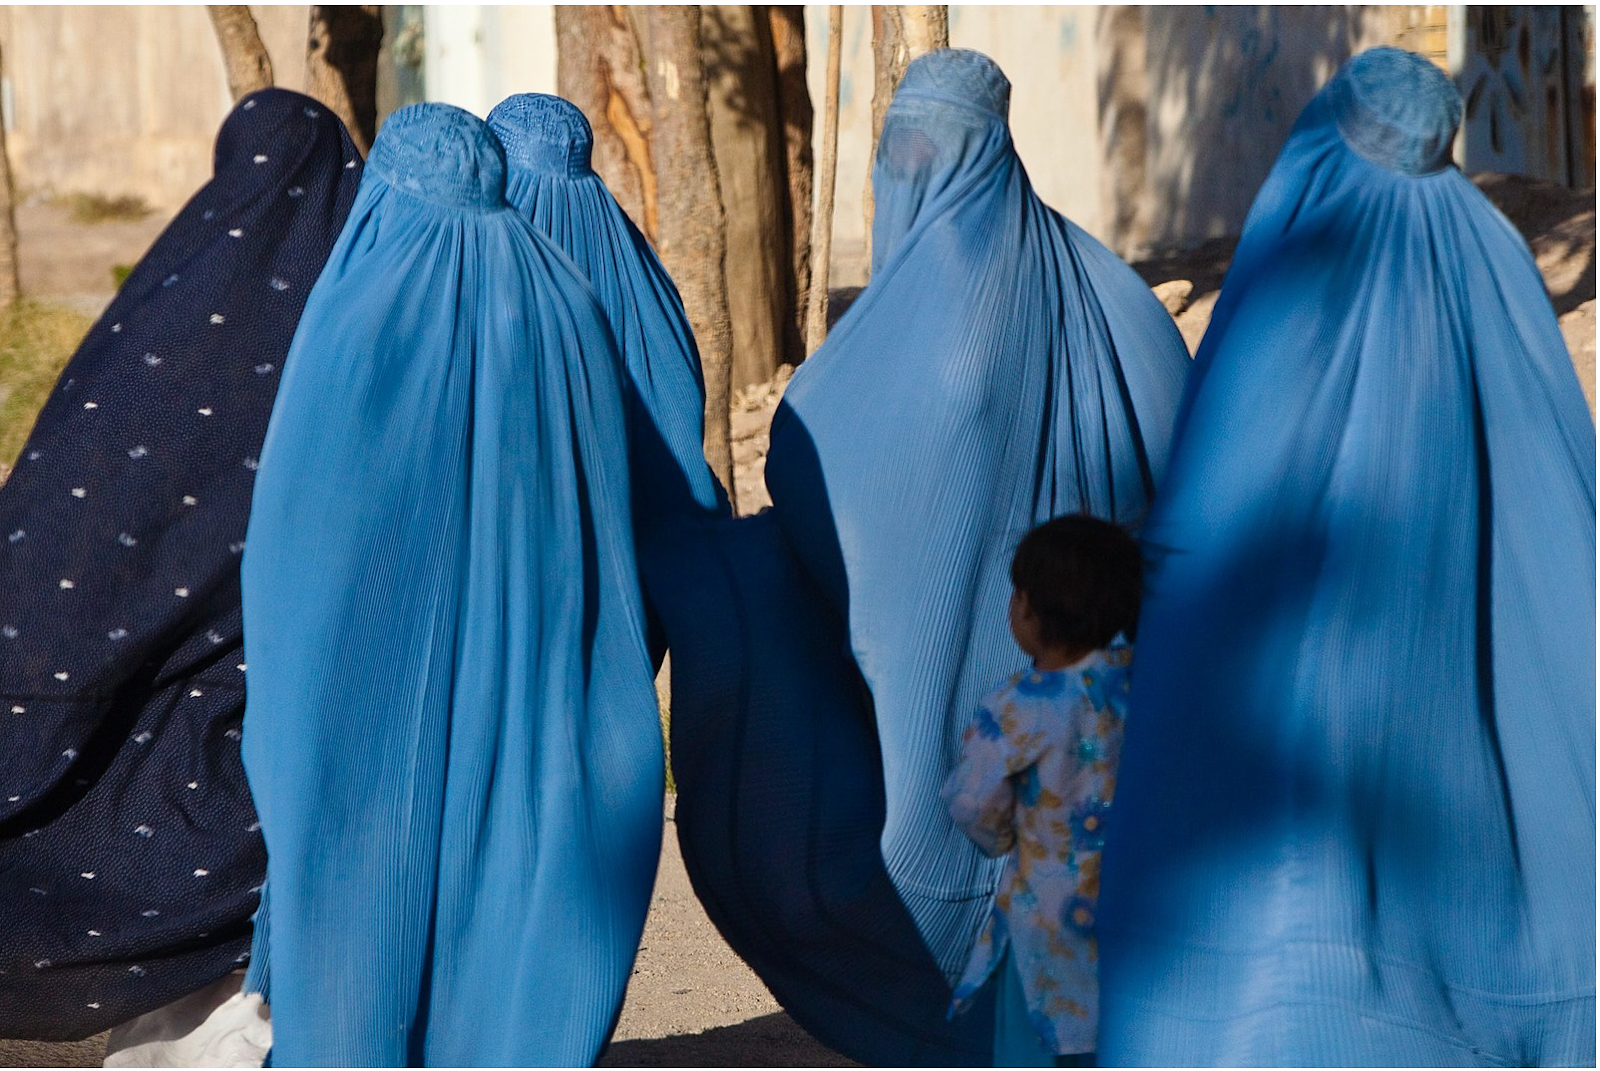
x=129, y=851
x=1003, y=367
x=1355, y=819
x=548, y=144
x=451, y=733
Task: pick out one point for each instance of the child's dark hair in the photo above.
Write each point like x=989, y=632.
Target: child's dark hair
x=1082, y=577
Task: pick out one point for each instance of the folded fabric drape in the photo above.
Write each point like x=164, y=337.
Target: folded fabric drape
x=451, y=734
x=548, y=145
x=1355, y=820
x=129, y=851
x=1002, y=368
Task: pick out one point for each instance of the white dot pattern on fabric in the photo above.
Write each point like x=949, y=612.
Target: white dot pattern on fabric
x=105, y=617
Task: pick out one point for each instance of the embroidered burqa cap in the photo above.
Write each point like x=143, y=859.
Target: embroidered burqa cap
x=129, y=854
x=1355, y=818
x=452, y=734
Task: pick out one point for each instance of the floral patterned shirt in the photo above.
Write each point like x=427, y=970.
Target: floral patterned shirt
x=1035, y=779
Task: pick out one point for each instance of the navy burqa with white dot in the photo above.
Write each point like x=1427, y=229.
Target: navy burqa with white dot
x=452, y=733
x=1354, y=824
x=1003, y=367
x=129, y=852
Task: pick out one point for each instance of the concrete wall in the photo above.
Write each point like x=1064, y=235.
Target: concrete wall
x=1151, y=126
x=125, y=100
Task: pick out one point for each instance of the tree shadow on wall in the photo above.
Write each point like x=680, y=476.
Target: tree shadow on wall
x=1223, y=88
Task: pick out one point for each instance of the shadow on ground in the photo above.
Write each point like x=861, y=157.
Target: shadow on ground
x=773, y=1040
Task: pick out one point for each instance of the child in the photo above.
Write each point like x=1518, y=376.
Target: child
x=1034, y=782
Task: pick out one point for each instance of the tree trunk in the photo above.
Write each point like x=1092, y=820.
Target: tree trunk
x=600, y=68
x=692, y=239
x=900, y=33
x=249, y=66
x=342, y=65
x=10, y=284
x=747, y=135
x=788, y=28
x=828, y=166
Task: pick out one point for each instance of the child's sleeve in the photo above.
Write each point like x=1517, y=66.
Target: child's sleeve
x=979, y=792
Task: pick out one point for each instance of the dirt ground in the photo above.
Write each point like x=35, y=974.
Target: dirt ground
x=692, y=1001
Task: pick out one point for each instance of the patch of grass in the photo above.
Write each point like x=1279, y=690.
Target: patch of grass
x=98, y=208
x=120, y=273
x=35, y=342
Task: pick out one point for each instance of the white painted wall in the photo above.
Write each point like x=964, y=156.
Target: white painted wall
x=479, y=54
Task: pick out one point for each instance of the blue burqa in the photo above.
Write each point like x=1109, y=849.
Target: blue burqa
x=129, y=852
x=548, y=145
x=1002, y=368
x=451, y=733
x=1355, y=819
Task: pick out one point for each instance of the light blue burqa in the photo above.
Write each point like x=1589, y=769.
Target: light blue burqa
x=1355, y=819
x=548, y=145
x=1003, y=367
x=451, y=732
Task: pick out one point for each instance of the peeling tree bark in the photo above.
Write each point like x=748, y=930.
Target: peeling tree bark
x=788, y=28
x=827, y=171
x=245, y=57
x=692, y=241
x=900, y=33
x=599, y=67
x=342, y=65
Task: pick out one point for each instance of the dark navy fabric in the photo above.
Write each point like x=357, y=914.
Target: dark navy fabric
x=1355, y=818
x=1002, y=368
x=548, y=145
x=129, y=851
x=452, y=735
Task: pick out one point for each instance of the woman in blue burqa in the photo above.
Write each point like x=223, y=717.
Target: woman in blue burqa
x=548, y=145
x=1355, y=820
x=1002, y=368
x=129, y=851
x=452, y=734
